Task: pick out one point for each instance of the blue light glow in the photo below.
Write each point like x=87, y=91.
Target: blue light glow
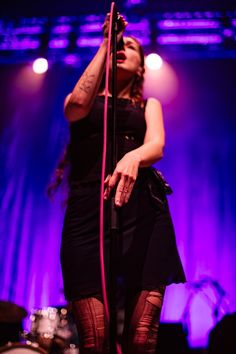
x=165, y=39
x=185, y=24
x=58, y=43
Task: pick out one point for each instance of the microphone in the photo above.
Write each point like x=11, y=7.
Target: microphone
x=120, y=43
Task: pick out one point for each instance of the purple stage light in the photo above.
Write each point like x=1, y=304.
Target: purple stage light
x=92, y=18
x=143, y=40
x=65, y=19
x=168, y=15
x=65, y=28
x=23, y=44
x=28, y=30
x=198, y=14
x=58, y=43
x=72, y=59
x=180, y=15
x=33, y=21
x=91, y=27
x=165, y=39
x=140, y=30
x=131, y=3
x=209, y=14
x=233, y=22
x=142, y=25
x=228, y=32
x=88, y=41
x=184, y=24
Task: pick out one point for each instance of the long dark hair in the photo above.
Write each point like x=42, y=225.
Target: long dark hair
x=61, y=173
x=136, y=94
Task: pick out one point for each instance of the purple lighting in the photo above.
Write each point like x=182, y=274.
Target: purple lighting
x=142, y=25
x=58, y=43
x=23, y=44
x=228, y=32
x=144, y=40
x=91, y=27
x=131, y=3
x=88, y=42
x=28, y=30
x=65, y=19
x=62, y=29
x=178, y=24
x=72, y=59
x=140, y=30
x=189, y=39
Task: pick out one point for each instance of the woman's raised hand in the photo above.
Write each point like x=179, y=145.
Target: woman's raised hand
x=124, y=176
x=121, y=26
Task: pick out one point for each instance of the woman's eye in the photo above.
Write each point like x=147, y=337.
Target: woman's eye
x=132, y=47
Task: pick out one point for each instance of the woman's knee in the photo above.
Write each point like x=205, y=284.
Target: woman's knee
x=91, y=324
x=144, y=322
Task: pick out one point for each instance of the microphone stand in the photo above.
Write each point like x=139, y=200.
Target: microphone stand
x=114, y=222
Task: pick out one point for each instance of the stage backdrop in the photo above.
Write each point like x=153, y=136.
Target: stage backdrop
x=199, y=163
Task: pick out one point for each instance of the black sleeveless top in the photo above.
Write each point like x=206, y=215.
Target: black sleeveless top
x=86, y=137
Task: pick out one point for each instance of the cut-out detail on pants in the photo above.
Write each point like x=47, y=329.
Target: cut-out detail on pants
x=140, y=328
x=92, y=326
x=142, y=322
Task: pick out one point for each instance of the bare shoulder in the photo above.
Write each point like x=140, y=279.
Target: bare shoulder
x=153, y=102
x=153, y=108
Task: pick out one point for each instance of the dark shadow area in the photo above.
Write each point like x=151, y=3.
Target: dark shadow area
x=222, y=338
x=77, y=8
x=172, y=339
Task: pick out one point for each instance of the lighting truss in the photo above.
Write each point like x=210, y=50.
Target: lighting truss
x=179, y=34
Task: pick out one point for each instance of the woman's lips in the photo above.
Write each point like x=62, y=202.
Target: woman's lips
x=120, y=56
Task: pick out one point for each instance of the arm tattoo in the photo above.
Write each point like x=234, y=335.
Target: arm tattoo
x=86, y=82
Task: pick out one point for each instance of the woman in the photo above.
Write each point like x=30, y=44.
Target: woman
x=149, y=258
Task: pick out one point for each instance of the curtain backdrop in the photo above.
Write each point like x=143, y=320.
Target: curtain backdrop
x=199, y=164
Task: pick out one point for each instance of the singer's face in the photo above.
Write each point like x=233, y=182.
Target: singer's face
x=128, y=58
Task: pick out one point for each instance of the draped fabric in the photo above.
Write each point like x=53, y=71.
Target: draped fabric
x=199, y=164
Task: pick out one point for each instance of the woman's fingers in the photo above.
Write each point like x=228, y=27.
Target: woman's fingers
x=106, y=194
x=124, y=190
x=111, y=184
x=121, y=190
x=124, y=177
x=127, y=195
x=107, y=179
x=122, y=23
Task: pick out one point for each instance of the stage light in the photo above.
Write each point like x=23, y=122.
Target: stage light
x=88, y=41
x=132, y=3
x=58, y=43
x=179, y=39
x=162, y=84
x=72, y=60
x=153, y=61
x=188, y=23
x=40, y=65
